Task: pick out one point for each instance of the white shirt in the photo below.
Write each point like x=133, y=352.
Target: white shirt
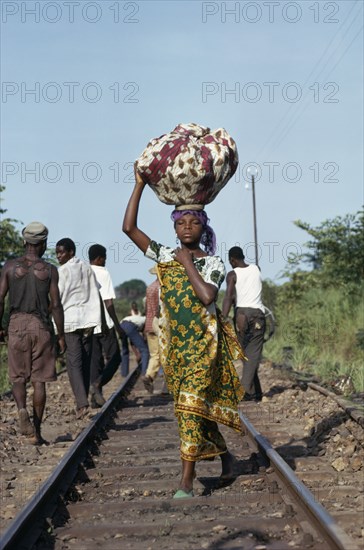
x=79, y=295
x=138, y=320
x=106, y=290
x=249, y=287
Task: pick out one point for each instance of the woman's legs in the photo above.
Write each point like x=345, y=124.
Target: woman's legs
x=188, y=472
x=227, y=463
x=201, y=439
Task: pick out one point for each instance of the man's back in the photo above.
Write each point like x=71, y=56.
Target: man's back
x=106, y=289
x=32, y=285
x=29, y=283
x=79, y=295
x=248, y=287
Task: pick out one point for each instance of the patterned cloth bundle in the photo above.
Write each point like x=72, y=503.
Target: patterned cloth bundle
x=189, y=166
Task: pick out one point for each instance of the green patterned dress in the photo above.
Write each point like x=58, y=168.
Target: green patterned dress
x=197, y=353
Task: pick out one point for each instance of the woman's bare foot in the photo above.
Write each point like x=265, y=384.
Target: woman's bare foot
x=188, y=475
x=228, y=462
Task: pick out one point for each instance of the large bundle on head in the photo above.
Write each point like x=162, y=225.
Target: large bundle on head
x=190, y=165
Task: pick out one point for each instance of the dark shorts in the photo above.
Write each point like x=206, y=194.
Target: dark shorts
x=31, y=351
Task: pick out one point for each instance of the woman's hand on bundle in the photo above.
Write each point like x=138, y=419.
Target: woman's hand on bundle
x=138, y=178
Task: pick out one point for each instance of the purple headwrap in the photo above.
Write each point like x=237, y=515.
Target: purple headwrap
x=208, y=238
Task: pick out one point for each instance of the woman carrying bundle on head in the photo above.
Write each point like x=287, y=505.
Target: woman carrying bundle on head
x=197, y=346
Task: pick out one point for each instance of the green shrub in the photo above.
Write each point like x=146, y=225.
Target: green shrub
x=325, y=329
x=4, y=379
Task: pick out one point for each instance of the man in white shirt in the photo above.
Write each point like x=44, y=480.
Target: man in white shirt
x=133, y=325
x=82, y=313
x=244, y=289
x=104, y=340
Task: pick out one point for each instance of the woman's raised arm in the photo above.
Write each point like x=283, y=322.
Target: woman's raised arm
x=131, y=215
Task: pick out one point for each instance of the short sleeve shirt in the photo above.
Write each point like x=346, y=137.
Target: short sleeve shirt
x=106, y=290
x=211, y=268
x=79, y=295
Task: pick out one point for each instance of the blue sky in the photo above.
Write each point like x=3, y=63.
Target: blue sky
x=85, y=86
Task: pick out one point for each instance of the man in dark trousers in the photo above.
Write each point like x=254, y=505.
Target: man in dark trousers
x=82, y=314
x=32, y=284
x=244, y=289
x=105, y=342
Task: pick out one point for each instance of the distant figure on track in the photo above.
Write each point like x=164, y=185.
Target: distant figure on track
x=151, y=314
x=134, y=310
x=32, y=284
x=197, y=347
x=133, y=326
x=82, y=313
x=104, y=339
x=244, y=289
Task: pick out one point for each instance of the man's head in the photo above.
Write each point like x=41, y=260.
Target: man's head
x=65, y=250
x=236, y=256
x=35, y=235
x=97, y=255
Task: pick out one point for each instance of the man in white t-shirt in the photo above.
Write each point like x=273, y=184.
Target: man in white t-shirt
x=244, y=290
x=105, y=342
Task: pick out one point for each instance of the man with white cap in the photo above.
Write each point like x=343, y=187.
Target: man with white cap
x=32, y=284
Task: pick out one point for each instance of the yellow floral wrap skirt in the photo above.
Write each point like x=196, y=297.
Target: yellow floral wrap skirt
x=197, y=352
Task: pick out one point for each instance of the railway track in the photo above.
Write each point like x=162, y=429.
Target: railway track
x=126, y=469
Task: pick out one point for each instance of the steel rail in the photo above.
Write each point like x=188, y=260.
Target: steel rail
x=352, y=409
x=318, y=515
x=28, y=524
x=355, y=411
